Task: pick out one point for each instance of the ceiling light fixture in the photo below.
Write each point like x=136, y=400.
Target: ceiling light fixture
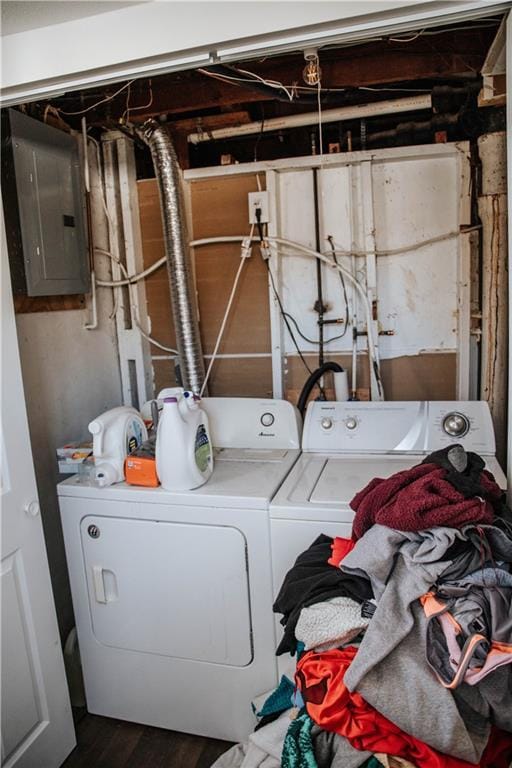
x=311, y=73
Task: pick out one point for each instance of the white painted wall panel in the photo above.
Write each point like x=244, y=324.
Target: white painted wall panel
x=414, y=199
x=418, y=301
x=297, y=222
x=70, y=376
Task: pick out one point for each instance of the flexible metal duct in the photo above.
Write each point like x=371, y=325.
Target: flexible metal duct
x=176, y=249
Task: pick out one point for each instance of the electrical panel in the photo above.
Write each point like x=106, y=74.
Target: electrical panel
x=45, y=202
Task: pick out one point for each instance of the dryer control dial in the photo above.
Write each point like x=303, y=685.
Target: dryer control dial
x=326, y=423
x=456, y=424
x=351, y=422
x=267, y=419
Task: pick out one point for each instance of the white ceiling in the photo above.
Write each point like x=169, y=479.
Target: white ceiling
x=23, y=15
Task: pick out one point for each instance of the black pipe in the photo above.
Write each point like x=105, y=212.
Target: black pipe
x=312, y=380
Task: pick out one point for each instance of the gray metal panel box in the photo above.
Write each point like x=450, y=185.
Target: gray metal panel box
x=51, y=208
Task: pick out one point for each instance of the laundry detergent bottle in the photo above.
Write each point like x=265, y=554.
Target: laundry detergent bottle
x=115, y=434
x=184, y=457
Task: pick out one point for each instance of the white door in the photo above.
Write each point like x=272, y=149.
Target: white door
x=37, y=726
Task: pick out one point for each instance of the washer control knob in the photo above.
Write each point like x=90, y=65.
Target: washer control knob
x=351, y=422
x=267, y=419
x=326, y=423
x=456, y=424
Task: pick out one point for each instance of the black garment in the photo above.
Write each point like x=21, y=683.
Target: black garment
x=267, y=719
x=312, y=580
x=468, y=481
x=488, y=701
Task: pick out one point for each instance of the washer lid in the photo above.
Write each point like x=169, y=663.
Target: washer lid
x=320, y=487
x=340, y=479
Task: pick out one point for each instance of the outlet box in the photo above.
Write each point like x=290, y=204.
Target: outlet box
x=258, y=200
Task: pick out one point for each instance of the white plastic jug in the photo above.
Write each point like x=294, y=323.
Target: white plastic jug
x=115, y=434
x=184, y=456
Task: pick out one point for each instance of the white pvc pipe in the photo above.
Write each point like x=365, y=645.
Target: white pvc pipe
x=94, y=305
x=392, y=106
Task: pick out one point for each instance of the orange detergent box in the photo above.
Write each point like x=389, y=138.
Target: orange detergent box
x=140, y=467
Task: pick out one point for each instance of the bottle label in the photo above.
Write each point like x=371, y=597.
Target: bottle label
x=202, y=449
x=133, y=436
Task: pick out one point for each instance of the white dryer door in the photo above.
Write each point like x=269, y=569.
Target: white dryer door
x=169, y=588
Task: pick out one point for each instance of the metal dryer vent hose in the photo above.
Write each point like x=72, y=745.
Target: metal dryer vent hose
x=183, y=302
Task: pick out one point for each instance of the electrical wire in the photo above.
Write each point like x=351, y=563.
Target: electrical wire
x=284, y=315
x=287, y=89
x=306, y=338
x=103, y=101
x=290, y=244
x=406, y=39
x=374, y=365
x=126, y=113
x=280, y=303
x=131, y=279
x=115, y=259
x=245, y=253
x=411, y=247
x=133, y=305
x=271, y=83
x=336, y=252
x=494, y=21
x=312, y=89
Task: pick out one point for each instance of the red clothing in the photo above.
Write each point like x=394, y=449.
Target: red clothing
x=498, y=752
x=334, y=708
x=420, y=498
x=340, y=549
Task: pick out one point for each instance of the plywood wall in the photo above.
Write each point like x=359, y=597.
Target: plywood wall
x=219, y=207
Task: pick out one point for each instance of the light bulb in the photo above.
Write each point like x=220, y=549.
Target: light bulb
x=312, y=73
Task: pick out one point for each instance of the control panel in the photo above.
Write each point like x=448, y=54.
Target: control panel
x=258, y=423
x=389, y=427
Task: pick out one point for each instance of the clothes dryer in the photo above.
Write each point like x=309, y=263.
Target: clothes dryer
x=347, y=444
x=172, y=591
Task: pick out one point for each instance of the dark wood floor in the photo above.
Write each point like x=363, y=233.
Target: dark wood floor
x=107, y=743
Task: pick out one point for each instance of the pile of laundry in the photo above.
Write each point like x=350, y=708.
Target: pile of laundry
x=403, y=633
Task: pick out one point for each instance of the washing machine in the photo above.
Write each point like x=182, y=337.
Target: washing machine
x=172, y=591
x=347, y=444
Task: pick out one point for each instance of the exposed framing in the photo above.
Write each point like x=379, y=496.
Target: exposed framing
x=362, y=161
x=126, y=247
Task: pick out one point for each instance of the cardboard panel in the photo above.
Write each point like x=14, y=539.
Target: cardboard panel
x=218, y=207
x=157, y=284
x=416, y=377
x=242, y=377
x=163, y=374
